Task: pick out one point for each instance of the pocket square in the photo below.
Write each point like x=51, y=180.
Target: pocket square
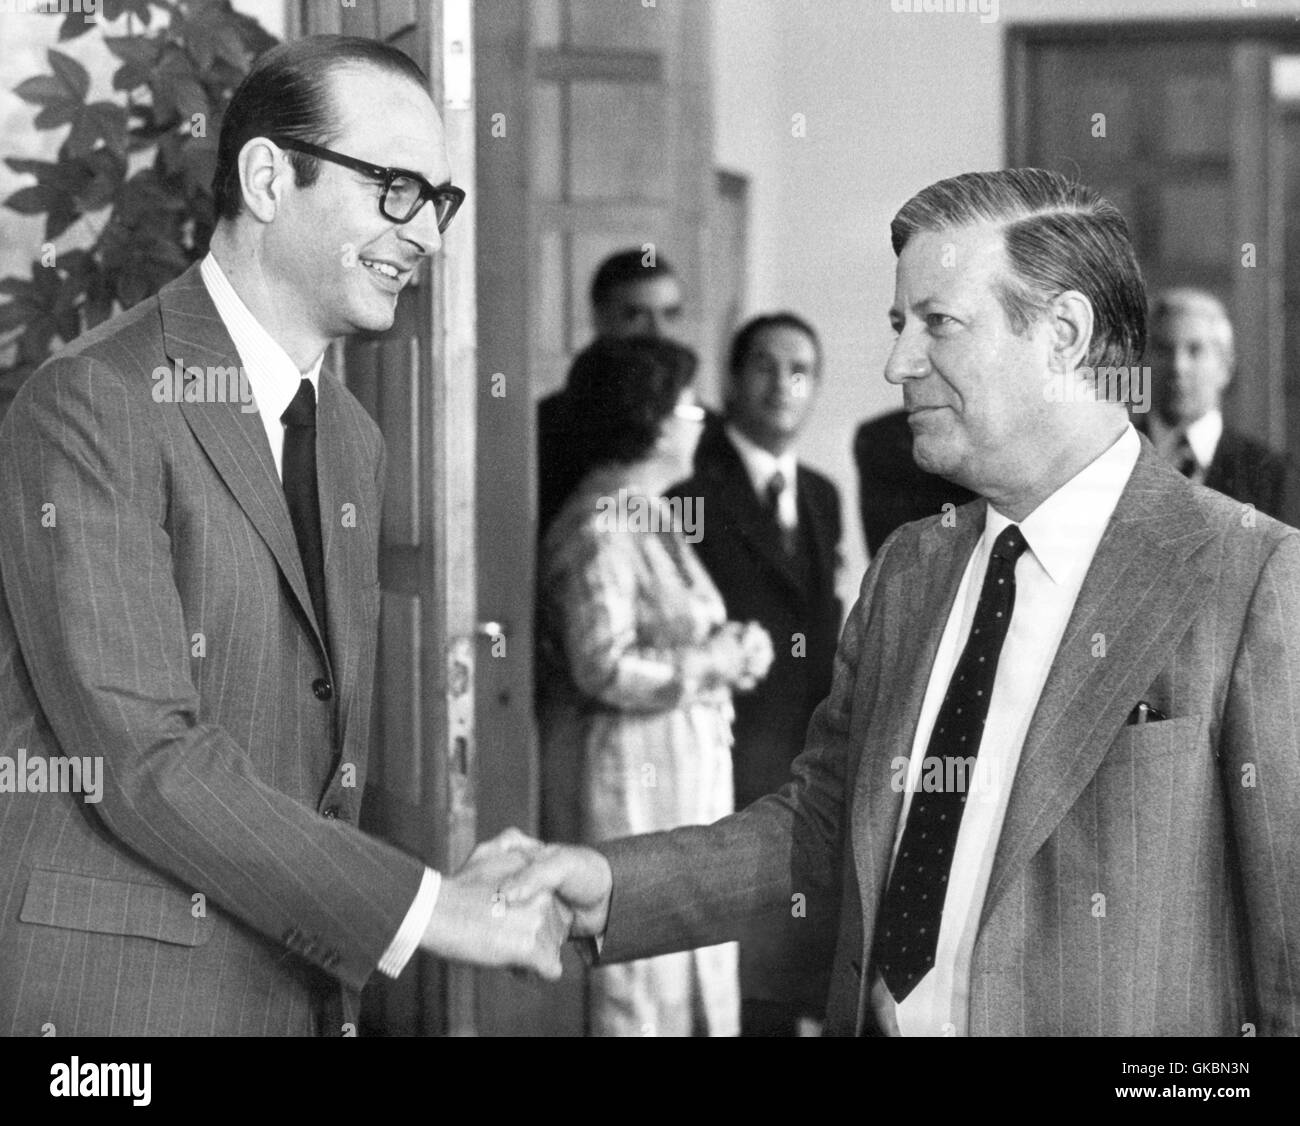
x=1144, y=713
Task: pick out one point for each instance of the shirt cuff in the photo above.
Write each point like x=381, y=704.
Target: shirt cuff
x=589, y=949
x=413, y=926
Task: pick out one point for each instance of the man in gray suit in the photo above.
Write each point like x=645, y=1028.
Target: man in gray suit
x=1057, y=778
x=189, y=521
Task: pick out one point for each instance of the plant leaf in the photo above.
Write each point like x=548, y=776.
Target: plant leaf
x=75, y=24
x=41, y=90
x=31, y=201
x=56, y=114
x=70, y=72
x=113, y=9
x=98, y=120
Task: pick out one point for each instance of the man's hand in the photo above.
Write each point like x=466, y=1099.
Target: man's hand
x=579, y=877
x=473, y=921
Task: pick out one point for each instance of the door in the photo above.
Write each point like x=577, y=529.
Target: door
x=593, y=135
x=417, y=381
x=1173, y=122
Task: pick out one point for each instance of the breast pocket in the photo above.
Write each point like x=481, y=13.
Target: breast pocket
x=1180, y=735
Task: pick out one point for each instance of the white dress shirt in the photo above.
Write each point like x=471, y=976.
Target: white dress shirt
x=274, y=379
x=761, y=465
x=1062, y=533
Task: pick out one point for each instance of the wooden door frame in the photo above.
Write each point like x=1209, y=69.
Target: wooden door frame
x=439, y=824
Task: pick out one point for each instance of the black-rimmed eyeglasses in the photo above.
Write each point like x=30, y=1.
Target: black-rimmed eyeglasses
x=405, y=192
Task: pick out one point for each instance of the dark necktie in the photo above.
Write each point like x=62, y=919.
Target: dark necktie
x=1185, y=459
x=772, y=505
x=907, y=930
x=299, y=466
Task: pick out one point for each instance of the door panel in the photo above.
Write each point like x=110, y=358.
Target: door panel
x=417, y=381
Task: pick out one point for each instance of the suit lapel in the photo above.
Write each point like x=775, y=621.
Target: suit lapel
x=913, y=606
x=741, y=506
x=233, y=439
x=816, y=528
x=1141, y=594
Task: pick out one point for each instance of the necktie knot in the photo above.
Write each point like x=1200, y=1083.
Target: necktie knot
x=1010, y=544
x=775, y=487
x=1184, y=457
x=301, y=412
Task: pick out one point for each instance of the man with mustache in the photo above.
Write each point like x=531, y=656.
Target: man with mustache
x=191, y=592
x=1057, y=777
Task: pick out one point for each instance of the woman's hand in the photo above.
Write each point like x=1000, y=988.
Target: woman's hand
x=756, y=648
x=738, y=655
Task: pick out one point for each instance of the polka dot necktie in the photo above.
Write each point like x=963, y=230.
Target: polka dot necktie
x=907, y=928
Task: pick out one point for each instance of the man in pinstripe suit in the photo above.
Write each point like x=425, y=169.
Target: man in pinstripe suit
x=161, y=614
x=1057, y=778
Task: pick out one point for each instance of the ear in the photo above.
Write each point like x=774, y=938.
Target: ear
x=1070, y=322
x=263, y=177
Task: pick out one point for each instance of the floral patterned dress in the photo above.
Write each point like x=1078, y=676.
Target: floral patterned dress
x=628, y=745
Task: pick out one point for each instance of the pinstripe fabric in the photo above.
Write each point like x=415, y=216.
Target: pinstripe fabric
x=161, y=620
x=1147, y=879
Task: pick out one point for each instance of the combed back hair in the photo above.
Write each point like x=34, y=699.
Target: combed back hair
x=287, y=94
x=1186, y=300
x=744, y=339
x=1060, y=235
x=621, y=391
x=623, y=268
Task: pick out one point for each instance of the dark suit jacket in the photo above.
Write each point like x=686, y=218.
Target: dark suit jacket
x=1186, y=825
x=1250, y=472
x=559, y=468
x=892, y=489
x=796, y=602
x=160, y=619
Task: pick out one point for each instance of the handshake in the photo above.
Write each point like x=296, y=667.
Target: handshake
x=516, y=901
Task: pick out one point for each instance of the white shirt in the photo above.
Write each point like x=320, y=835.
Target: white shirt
x=272, y=375
x=1062, y=533
x=761, y=465
x=1202, y=435
x=274, y=380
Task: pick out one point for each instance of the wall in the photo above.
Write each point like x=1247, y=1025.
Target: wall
x=893, y=101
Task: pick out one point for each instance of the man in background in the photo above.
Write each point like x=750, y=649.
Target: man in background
x=892, y=489
x=771, y=534
x=1193, y=360
x=634, y=293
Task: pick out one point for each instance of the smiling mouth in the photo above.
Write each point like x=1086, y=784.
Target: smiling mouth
x=385, y=270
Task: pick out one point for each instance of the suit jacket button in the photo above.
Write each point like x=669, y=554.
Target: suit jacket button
x=322, y=688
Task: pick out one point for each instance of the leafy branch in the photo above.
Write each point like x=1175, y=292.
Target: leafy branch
x=136, y=171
